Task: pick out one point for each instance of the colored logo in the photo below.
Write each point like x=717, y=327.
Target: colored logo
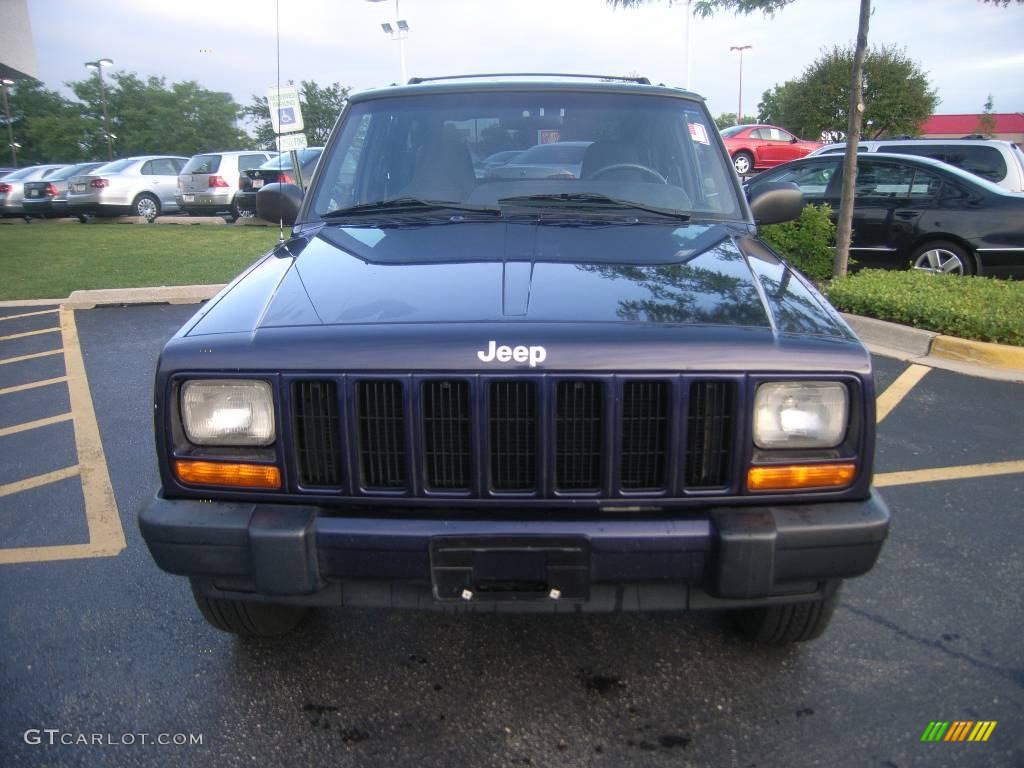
x=959, y=730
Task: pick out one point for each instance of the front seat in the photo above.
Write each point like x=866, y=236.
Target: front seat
x=603, y=153
x=443, y=171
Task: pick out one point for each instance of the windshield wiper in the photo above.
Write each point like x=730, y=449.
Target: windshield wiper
x=592, y=199
x=408, y=205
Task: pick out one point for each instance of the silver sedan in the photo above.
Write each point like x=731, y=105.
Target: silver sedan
x=12, y=187
x=140, y=186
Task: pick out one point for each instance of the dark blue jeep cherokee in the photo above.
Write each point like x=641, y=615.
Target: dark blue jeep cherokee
x=586, y=386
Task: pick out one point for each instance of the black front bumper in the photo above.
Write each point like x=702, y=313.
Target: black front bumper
x=732, y=557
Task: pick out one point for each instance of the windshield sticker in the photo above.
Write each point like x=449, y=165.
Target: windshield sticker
x=699, y=133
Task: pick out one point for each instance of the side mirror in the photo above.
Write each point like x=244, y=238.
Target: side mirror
x=793, y=140
x=276, y=202
x=773, y=202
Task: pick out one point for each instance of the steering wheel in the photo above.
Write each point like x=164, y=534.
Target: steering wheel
x=629, y=167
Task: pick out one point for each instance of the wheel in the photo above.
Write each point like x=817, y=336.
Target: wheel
x=743, y=162
x=246, y=618
x=942, y=258
x=785, y=624
x=641, y=169
x=147, y=206
x=235, y=214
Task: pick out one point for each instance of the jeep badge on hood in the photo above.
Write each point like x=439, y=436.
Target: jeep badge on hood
x=517, y=354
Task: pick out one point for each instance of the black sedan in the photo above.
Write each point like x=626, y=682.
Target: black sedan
x=277, y=170
x=917, y=212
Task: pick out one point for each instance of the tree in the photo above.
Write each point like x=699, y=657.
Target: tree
x=987, y=119
x=844, y=220
x=726, y=119
x=320, y=109
x=897, y=96
x=48, y=127
x=148, y=117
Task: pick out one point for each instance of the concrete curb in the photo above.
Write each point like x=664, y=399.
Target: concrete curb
x=245, y=221
x=165, y=294
x=936, y=349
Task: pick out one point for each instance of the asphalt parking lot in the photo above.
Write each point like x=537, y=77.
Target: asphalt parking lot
x=97, y=640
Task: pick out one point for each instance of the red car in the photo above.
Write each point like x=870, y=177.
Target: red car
x=753, y=147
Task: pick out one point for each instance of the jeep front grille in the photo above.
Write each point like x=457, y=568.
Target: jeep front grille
x=645, y=435
x=446, y=436
x=381, y=434
x=578, y=426
x=513, y=434
x=317, y=432
x=709, y=433
x=539, y=436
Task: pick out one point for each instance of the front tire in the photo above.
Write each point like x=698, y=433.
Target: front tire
x=786, y=624
x=146, y=206
x=941, y=257
x=743, y=162
x=247, y=618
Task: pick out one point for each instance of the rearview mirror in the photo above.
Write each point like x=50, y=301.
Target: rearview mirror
x=773, y=202
x=279, y=202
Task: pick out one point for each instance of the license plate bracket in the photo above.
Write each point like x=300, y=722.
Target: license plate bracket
x=510, y=568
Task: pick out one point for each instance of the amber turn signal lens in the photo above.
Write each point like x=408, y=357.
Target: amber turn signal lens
x=790, y=477
x=238, y=475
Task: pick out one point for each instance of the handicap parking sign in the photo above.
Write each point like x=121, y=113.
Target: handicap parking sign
x=285, y=109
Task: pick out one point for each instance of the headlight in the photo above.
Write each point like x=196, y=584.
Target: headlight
x=228, y=412
x=800, y=414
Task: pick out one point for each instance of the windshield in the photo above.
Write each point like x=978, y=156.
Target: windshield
x=642, y=149
x=733, y=129
x=114, y=167
x=74, y=170
x=21, y=174
x=284, y=160
x=202, y=164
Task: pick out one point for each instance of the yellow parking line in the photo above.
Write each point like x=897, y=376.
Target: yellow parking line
x=28, y=314
x=38, y=480
x=967, y=472
x=26, y=426
x=33, y=356
x=26, y=334
x=32, y=385
x=40, y=554
x=898, y=390
x=106, y=536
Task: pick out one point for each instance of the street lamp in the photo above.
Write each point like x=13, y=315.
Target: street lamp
x=689, y=21
x=739, y=105
x=399, y=32
x=10, y=131
x=98, y=66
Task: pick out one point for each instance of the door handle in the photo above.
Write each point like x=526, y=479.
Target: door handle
x=907, y=214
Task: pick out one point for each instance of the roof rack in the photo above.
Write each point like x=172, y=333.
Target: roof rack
x=639, y=80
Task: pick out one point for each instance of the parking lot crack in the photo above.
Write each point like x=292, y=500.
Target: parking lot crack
x=1015, y=676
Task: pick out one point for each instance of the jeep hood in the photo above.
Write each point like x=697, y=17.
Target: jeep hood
x=497, y=272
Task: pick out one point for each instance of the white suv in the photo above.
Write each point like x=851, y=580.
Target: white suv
x=1001, y=162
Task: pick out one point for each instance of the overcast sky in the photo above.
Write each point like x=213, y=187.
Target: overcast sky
x=968, y=49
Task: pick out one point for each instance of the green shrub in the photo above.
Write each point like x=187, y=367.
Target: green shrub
x=969, y=307
x=807, y=242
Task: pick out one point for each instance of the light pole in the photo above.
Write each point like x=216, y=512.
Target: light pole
x=10, y=131
x=689, y=21
x=98, y=66
x=739, y=105
x=399, y=32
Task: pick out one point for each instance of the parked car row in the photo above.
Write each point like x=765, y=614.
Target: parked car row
x=151, y=185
